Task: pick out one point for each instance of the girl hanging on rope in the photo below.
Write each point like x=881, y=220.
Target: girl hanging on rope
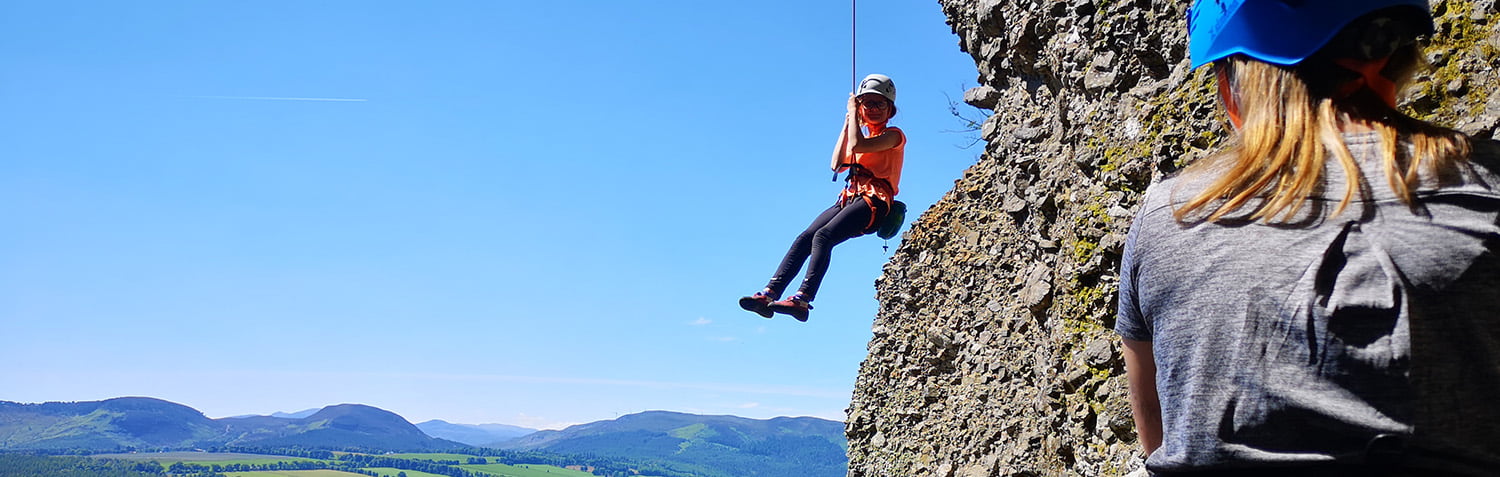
x=872, y=153
x=1320, y=298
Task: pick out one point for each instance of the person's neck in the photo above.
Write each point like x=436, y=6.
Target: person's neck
x=1365, y=117
x=1352, y=125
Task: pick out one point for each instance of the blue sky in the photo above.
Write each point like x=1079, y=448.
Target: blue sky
x=532, y=213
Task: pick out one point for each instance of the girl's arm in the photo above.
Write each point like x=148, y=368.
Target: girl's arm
x=859, y=143
x=842, y=145
x=885, y=140
x=1145, y=406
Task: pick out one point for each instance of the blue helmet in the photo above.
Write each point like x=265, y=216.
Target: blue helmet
x=1283, y=32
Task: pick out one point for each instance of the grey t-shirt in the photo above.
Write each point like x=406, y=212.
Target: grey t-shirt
x=1300, y=344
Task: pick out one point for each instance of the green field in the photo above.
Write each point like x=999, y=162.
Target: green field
x=390, y=472
x=525, y=470
x=433, y=457
x=211, y=458
x=299, y=473
x=498, y=470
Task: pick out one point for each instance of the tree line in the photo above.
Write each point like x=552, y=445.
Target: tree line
x=32, y=465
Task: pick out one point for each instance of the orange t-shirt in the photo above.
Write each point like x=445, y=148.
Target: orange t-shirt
x=882, y=165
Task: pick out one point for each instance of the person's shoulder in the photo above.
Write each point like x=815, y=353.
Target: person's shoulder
x=1482, y=169
x=897, y=131
x=1166, y=191
x=1485, y=153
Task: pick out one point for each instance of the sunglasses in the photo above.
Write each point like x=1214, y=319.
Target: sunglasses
x=875, y=104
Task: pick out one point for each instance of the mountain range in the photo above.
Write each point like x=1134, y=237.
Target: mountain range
x=478, y=435
x=686, y=444
x=140, y=422
x=790, y=446
x=294, y=415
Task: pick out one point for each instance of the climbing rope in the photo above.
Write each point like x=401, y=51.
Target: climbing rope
x=853, y=55
x=853, y=45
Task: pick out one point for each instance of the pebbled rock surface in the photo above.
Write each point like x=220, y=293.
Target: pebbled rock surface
x=992, y=352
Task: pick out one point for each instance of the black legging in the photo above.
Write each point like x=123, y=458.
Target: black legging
x=832, y=227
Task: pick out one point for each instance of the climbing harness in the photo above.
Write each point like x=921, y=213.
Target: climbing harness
x=886, y=225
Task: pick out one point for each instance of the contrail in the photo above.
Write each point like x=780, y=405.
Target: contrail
x=272, y=98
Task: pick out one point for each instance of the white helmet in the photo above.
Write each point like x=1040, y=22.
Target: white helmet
x=878, y=84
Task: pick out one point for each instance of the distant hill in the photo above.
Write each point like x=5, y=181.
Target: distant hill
x=735, y=446
x=136, y=422
x=343, y=425
x=472, y=434
x=288, y=415
x=108, y=424
x=295, y=415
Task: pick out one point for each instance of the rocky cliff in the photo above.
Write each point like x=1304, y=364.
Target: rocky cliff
x=992, y=351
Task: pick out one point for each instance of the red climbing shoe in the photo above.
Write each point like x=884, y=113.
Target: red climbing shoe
x=796, y=305
x=759, y=303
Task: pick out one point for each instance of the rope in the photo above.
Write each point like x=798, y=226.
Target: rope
x=853, y=45
x=853, y=56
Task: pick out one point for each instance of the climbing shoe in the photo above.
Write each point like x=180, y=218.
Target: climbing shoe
x=796, y=306
x=759, y=303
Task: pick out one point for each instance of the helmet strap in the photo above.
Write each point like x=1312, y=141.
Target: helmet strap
x=1369, y=77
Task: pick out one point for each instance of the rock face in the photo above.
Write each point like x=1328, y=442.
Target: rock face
x=992, y=351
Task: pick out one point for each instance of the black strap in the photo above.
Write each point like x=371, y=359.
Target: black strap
x=851, y=167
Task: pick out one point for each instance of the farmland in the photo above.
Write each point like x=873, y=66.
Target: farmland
x=345, y=464
x=298, y=473
x=526, y=470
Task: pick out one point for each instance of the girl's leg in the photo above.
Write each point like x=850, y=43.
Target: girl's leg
x=797, y=254
x=847, y=223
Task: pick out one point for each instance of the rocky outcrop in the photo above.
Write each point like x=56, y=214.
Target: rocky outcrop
x=992, y=351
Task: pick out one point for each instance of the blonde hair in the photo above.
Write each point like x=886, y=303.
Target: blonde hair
x=1291, y=122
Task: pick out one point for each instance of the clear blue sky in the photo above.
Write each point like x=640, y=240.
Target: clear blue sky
x=532, y=213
